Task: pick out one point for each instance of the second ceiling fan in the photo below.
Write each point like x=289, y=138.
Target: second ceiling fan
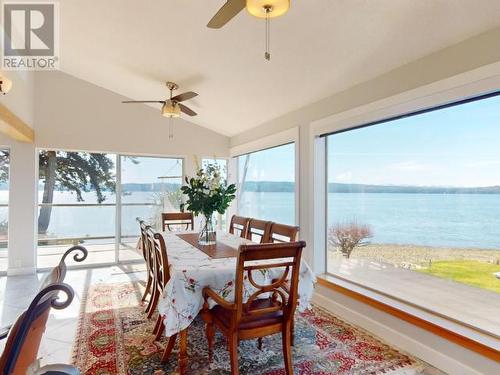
x=172, y=107
x=266, y=9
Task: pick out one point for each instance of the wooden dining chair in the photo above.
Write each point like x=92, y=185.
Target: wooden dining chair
x=158, y=254
x=259, y=231
x=183, y=219
x=162, y=277
x=259, y=315
x=283, y=233
x=24, y=337
x=148, y=259
x=239, y=226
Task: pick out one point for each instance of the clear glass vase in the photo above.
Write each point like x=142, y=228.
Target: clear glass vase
x=208, y=233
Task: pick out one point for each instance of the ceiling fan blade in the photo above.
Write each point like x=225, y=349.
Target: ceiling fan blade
x=187, y=110
x=230, y=9
x=143, y=101
x=184, y=96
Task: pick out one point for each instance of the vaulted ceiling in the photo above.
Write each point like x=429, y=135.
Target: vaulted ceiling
x=318, y=48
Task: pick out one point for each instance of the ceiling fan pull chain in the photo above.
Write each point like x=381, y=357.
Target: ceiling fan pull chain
x=267, y=55
x=170, y=128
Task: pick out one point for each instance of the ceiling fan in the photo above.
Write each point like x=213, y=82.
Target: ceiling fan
x=171, y=107
x=258, y=8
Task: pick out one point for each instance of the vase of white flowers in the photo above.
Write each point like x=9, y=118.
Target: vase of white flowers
x=207, y=193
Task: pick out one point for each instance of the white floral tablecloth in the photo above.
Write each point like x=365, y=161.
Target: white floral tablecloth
x=191, y=270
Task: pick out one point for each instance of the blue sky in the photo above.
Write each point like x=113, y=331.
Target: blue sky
x=274, y=164
x=149, y=169
x=457, y=146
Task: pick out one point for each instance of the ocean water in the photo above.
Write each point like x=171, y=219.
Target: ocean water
x=454, y=220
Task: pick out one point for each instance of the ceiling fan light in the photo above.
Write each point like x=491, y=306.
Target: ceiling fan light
x=171, y=109
x=257, y=8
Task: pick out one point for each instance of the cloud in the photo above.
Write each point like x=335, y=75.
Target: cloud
x=409, y=166
x=344, y=177
x=482, y=163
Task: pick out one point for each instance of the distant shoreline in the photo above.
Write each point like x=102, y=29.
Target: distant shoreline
x=333, y=187
x=401, y=255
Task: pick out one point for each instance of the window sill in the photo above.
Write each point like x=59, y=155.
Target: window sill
x=460, y=334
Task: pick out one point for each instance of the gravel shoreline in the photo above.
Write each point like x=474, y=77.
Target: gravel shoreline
x=405, y=255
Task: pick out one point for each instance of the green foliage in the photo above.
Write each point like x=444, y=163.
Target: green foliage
x=208, y=192
x=4, y=165
x=80, y=172
x=471, y=272
x=4, y=228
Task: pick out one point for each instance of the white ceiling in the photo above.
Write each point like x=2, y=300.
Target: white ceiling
x=319, y=47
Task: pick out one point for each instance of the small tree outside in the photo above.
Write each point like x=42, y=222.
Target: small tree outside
x=346, y=237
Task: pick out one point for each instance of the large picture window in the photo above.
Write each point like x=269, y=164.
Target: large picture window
x=79, y=204
x=414, y=210
x=267, y=184
x=149, y=186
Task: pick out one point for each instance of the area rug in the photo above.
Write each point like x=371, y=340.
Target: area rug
x=114, y=337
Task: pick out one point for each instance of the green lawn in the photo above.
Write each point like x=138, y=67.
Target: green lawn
x=470, y=272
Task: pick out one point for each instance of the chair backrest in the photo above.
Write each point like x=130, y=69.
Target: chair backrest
x=146, y=245
x=24, y=338
x=286, y=258
x=239, y=226
x=283, y=233
x=23, y=342
x=58, y=273
x=259, y=231
x=171, y=219
x=159, y=252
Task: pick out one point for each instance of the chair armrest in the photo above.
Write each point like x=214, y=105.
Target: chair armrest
x=210, y=293
x=4, y=332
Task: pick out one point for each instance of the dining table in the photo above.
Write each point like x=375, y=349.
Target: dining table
x=193, y=267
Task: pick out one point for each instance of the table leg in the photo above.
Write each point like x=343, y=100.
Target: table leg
x=183, y=351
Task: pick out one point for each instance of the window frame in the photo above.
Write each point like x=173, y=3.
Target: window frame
x=118, y=207
x=296, y=163
x=363, y=292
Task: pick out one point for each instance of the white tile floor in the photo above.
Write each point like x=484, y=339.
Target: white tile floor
x=16, y=293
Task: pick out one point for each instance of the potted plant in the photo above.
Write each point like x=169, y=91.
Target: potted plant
x=207, y=193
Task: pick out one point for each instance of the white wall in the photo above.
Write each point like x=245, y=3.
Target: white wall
x=72, y=114
x=75, y=114
x=21, y=98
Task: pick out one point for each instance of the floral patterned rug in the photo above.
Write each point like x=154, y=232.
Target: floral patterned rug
x=114, y=337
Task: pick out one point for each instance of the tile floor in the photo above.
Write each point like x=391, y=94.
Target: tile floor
x=16, y=293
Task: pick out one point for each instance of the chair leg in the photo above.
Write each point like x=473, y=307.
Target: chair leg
x=168, y=348
x=154, y=302
x=183, y=352
x=148, y=288
x=287, y=349
x=161, y=329
x=233, y=353
x=150, y=306
x=292, y=332
x=259, y=343
x=157, y=324
x=209, y=330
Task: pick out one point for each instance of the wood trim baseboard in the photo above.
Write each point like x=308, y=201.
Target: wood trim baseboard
x=445, y=333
